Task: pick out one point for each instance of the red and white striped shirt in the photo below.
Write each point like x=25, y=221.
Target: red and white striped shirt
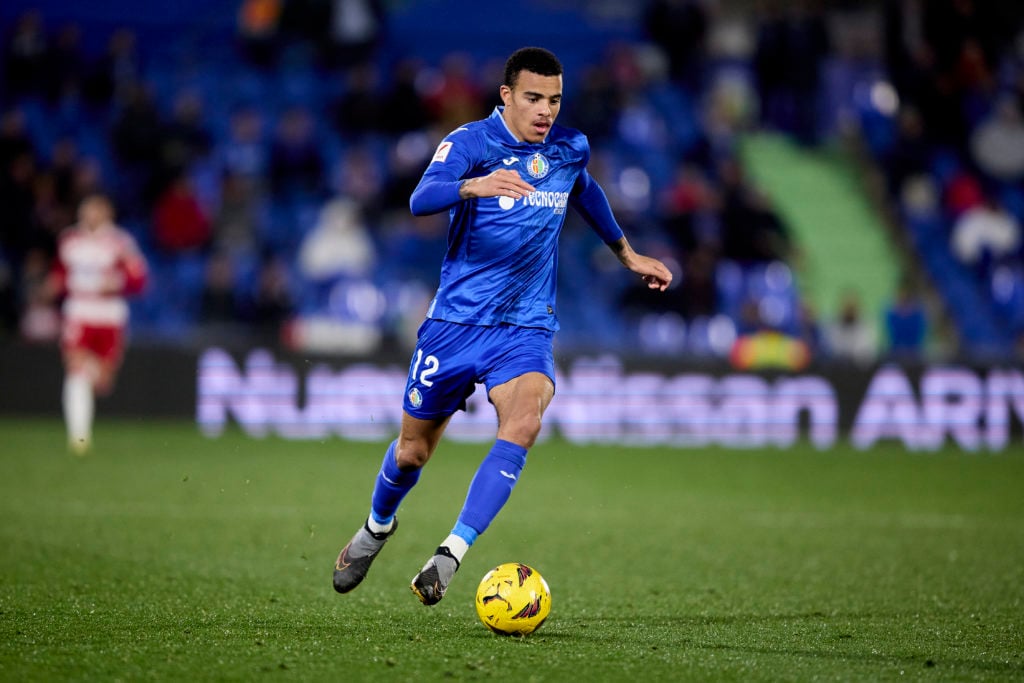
x=96, y=270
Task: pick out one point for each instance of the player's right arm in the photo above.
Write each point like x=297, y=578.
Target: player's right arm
x=444, y=184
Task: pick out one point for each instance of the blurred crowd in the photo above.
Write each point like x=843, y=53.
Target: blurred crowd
x=269, y=186
x=951, y=147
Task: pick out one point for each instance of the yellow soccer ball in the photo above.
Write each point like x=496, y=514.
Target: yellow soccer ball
x=513, y=599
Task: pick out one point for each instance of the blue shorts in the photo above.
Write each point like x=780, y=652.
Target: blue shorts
x=451, y=359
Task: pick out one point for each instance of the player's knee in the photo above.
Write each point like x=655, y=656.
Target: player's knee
x=523, y=431
x=410, y=455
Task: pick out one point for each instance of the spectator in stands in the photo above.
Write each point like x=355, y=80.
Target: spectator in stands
x=964, y=191
x=14, y=138
x=136, y=142
x=679, y=28
x=360, y=108
x=258, y=30
x=235, y=221
x=114, y=76
x=596, y=103
x=688, y=209
x=403, y=109
x=810, y=331
x=910, y=153
x=49, y=214
x=339, y=246
x=997, y=144
x=184, y=139
x=453, y=96
x=17, y=199
x=751, y=230
x=218, y=308
x=296, y=159
x=179, y=222
x=791, y=48
x=244, y=152
x=406, y=161
x=355, y=31
x=63, y=66
x=906, y=324
x=25, y=55
x=985, y=234
x=64, y=159
x=850, y=337
x=271, y=301
x=361, y=179
x=40, y=318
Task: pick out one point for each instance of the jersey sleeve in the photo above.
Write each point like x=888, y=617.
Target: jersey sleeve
x=590, y=201
x=133, y=266
x=438, y=189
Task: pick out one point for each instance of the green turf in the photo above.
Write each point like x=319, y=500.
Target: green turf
x=168, y=556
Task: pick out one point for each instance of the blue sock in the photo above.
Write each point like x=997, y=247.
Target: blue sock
x=391, y=486
x=490, y=488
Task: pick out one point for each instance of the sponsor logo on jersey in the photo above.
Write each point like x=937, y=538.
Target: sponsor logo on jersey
x=442, y=151
x=537, y=165
x=510, y=161
x=415, y=397
x=556, y=201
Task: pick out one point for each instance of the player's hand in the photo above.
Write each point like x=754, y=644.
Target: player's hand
x=500, y=183
x=652, y=271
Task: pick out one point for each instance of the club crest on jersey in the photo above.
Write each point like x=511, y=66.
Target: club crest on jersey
x=415, y=397
x=538, y=165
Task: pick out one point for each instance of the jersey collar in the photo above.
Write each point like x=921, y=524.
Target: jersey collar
x=497, y=114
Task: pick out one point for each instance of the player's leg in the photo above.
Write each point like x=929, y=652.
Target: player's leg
x=399, y=472
x=520, y=383
x=78, y=399
x=92, y=357
x=439, y=382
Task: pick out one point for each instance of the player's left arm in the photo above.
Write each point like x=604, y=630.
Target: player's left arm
x=590, y=201
x=134, y=271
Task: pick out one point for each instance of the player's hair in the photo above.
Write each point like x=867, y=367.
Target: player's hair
x=533, y=59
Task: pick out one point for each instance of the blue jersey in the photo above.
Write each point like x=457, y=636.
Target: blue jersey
x=502, y=258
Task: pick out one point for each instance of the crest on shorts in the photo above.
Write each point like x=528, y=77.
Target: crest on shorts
x=415, y=397
x=538, y=165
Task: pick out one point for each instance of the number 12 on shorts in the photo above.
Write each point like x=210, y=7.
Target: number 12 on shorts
x=430, y=366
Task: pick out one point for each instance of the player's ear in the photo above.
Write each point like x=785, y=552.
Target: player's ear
x=506, y=94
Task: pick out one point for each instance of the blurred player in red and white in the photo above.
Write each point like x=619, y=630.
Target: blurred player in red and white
x=98, y=265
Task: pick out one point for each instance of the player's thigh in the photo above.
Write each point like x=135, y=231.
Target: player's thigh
x=106, y=343
x=524, y=397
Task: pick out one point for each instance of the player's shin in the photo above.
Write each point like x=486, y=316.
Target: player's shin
x=490, y=490
x=78, y=403
x=390, y=489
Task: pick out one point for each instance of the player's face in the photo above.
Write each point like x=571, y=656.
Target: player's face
x=532, y=105
x=93, y=213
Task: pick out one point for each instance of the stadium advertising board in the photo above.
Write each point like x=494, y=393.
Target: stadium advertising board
x=601, y=401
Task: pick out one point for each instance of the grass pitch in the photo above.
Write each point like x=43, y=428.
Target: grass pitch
x=168, y=556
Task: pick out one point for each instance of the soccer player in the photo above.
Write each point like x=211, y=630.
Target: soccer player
x=506, y=182
x=98, y=264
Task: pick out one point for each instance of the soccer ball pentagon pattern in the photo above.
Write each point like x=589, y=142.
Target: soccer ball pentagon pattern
x=513, y=599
